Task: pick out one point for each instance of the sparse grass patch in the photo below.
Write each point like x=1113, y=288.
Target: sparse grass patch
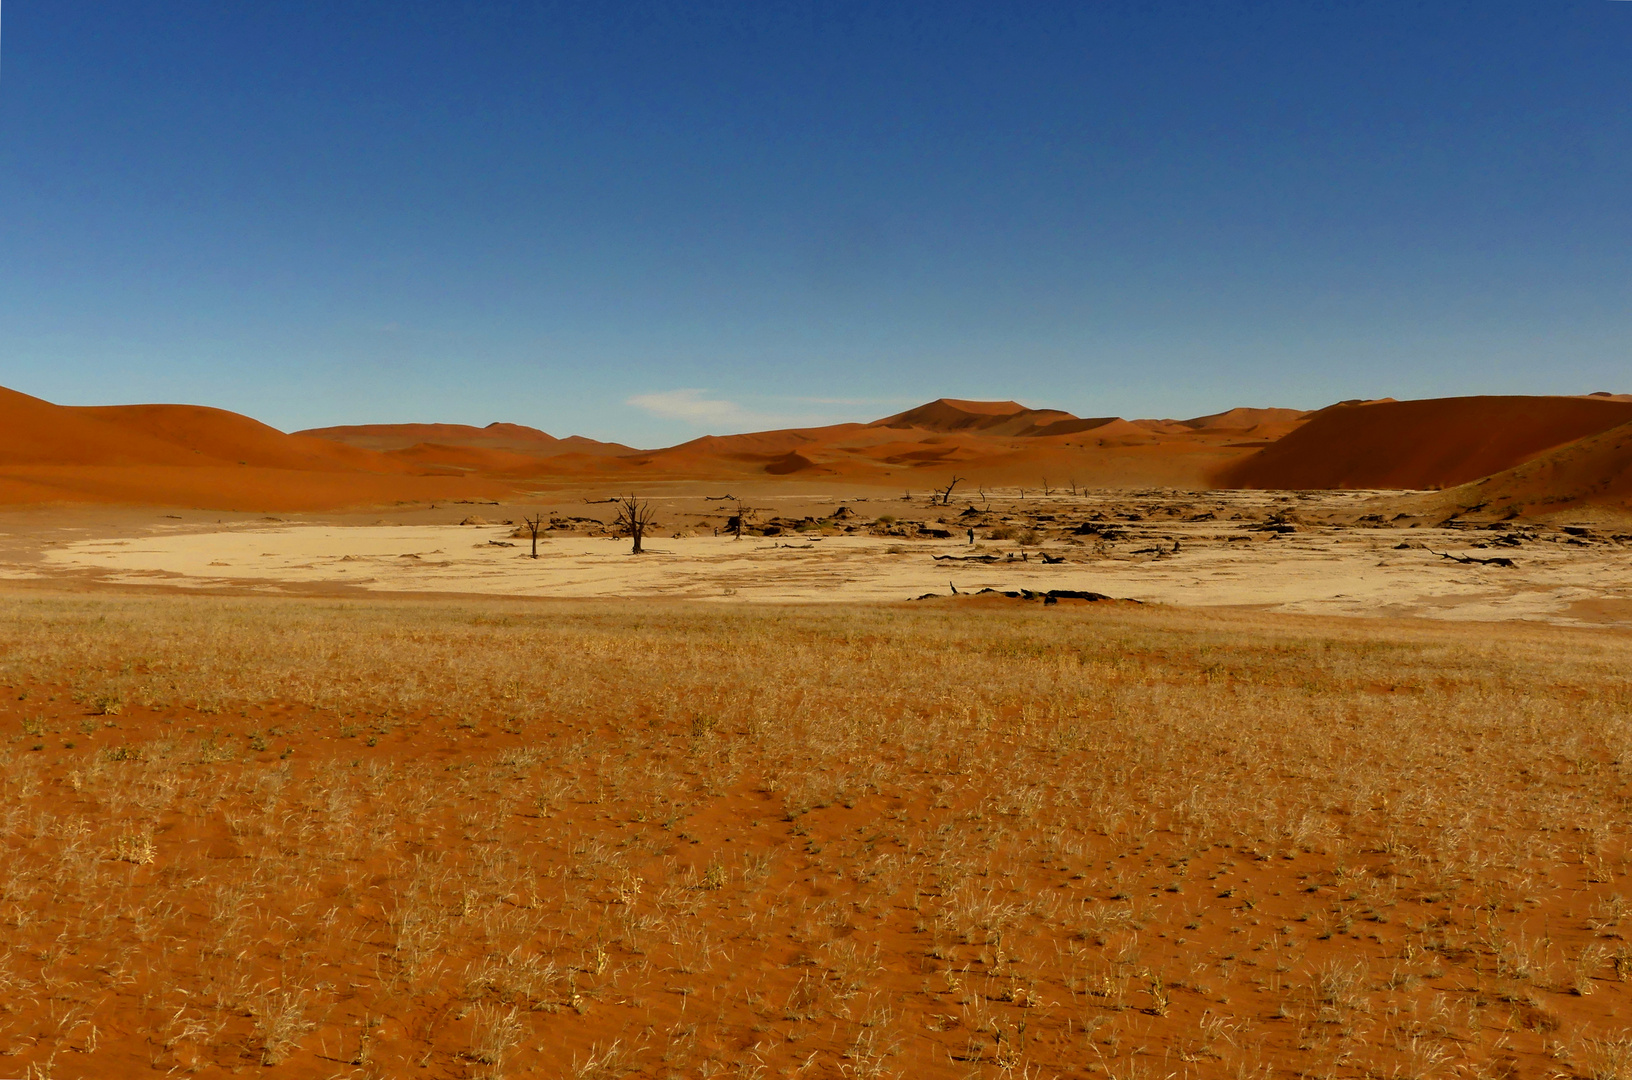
x=606, y=840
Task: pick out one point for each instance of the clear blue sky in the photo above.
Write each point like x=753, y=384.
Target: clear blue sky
x=648, y=220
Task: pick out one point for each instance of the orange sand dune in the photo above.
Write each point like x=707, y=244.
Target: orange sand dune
x=210, y=458
x=455, y=459
x=759, y=442
x=1263, y=424
x=990, y=417
x=986, y=442
x=1594, y=471
x=1439, y=442
x=993, y=443
x=186, y=455
x=190, y=455
x=38, y=432
x=1243, y=419
x=512, y=437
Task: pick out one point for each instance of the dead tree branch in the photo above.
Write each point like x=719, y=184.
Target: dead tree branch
x=634, y=517
x=1498, y=561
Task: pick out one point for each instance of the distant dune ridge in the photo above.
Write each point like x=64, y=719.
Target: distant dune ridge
x=1439, y=442
x=496, y=436
x=990, y=417
x=192, y=455
x=1529, y=453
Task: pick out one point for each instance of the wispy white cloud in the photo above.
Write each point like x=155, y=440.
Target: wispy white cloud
x=701, y=409
x=694, y=407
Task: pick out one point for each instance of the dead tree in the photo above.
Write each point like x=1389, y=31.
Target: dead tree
x=946, y=492
x=534, y=524
x=734, y=524
x=635, y=517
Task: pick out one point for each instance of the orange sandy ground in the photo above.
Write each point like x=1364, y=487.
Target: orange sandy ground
x=315, y=839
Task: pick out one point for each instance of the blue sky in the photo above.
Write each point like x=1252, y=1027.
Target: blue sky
x=645, y=221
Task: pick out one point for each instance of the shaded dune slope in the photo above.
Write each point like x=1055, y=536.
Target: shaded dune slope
x=1439, y=442
x=1594, y=471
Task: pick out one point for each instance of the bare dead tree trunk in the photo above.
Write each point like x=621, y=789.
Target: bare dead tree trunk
x=634, y=516
x=946, y=493
x=534, y=523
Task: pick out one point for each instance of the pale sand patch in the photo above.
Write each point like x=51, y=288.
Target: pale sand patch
x=1319, y=570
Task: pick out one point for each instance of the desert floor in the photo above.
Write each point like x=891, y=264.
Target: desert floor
x=1310, y=554
x=265, y=818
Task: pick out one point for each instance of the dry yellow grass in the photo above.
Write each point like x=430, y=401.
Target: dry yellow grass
x=353, y=839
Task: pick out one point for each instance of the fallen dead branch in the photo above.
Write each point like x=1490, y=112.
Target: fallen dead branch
x=1497, y=561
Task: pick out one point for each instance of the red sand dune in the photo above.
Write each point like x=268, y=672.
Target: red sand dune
x=990, y=417
x=438, y=457
x=1594, y=471
x=986, y=442
x=196, y=456
x=190, y=455
x=1245, y=420
x=1439, y=442
x=497, y=436
x=203, y=457
x=38, y=432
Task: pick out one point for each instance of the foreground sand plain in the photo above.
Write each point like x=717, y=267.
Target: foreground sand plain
x=275, y=801
x=376, y=836
x=1311, y=553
